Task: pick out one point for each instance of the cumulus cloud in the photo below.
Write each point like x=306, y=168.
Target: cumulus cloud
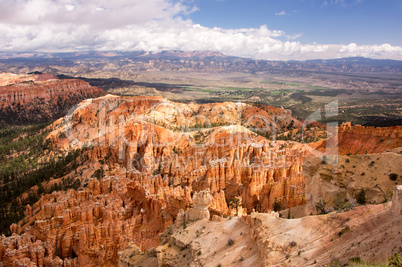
x=281, y=13
x=373, y=51
x=149, y=25
x=187, y=36
x=97, y=13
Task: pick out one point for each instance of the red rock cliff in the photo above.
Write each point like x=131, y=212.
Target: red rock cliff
x=40, y=98
x=151, y=170
x=359, y=139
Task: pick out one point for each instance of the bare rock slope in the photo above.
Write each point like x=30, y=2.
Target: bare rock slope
x=349, y=176
x=370, y=232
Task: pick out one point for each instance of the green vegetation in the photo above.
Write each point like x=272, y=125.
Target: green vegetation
x=318, y=88
x=320, y=207
x=13, y=144
x=340, y=204
x=236, y=204
x=361, y=197
x=282, y=83
x=22, y=154
x=344, y=230
x=393, y=176
x=239, y=88
x=98, y=174
x=276, y=206
x=395, y=261
x=265, y=134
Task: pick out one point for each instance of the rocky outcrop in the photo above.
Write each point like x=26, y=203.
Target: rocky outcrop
x=345, y=179
x=133, y=256
x=89, y=227
x=152, y=172
x=28, y=250
x=397, y=200
x=209, y=243
x=40, y=98
x=230, y=158
x=359, y=139
x=266, y=240
x=201, y=201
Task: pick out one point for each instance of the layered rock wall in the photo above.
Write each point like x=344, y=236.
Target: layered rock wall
x=359, y=139
x=40, y=98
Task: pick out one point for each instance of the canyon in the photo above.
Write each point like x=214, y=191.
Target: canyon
x=153, y=172
x=33, y=98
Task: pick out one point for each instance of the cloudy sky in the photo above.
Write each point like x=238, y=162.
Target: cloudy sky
x=263, y=29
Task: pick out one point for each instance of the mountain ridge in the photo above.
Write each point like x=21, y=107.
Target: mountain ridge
x=348, y=64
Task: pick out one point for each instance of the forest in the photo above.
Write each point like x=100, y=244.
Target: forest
x=25, y=164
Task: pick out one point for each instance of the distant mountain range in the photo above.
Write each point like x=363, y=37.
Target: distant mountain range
x=204, y=60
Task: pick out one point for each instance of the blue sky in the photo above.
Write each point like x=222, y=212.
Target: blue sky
x=260, y=29
x=338, y=22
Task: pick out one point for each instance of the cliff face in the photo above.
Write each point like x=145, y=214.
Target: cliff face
x=86, y=228
x=359, y=139
x=151, y=158
x=266, y=240
x=231, y=159
x=40, y=98
x=151, y=162
x=350, y=175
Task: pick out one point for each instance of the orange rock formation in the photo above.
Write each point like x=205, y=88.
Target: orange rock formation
x=154, y=155
x=359, y=139
x=39, y=98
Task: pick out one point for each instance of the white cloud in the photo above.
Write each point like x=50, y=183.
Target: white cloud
x=294, y=36
x=373, y=51
x=97, y=13
x=344, y=3
x=150, y=25
x=187, y=36
x=281, y=13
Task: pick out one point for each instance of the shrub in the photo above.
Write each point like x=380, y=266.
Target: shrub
x=235, y=203
x=276, y=206
x=361, y=197
x=337, y=202
x=395, y=261
x=98, y=174
x=393, y=176
x=356, y=260
x=230, y=241
x=320, y=207
x=344, y=230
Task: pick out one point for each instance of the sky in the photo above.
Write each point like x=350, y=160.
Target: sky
x=260, y=29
